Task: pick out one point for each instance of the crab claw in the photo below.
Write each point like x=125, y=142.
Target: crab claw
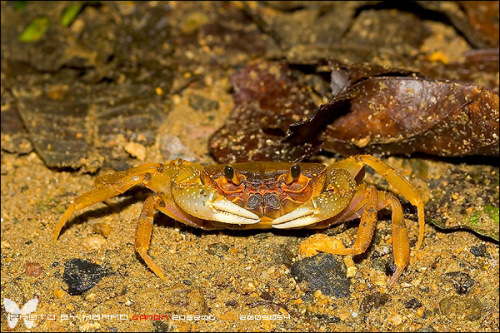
x=314, y=210
x=205, y=203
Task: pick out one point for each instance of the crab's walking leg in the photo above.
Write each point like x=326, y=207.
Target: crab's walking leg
x=355, y=165
x=374, y=201
x=366, y=226
x=106, y=188
x=401, y=249
x=400, y=244
x=144, y=230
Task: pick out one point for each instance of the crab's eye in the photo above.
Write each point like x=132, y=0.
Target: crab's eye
x=229, y=172
x=295, y=171
x=231, y=175
x=293, y=174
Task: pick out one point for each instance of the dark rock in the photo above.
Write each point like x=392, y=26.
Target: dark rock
x=160, y=326
x=266, y=295
x=478, y=250
x=322, y=317
x=81, y=275
x=461, y=281
x=232, y=303
x=323, y=272
x=413, y=303
x=390, y=268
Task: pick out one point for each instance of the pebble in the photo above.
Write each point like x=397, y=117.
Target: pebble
x=461, y=281
x=323, y=272
x=59, y=293
x=322, y=317
x=94, y=242
x=373, y=301
x=81, y=275
x=459, y=308
x=136, y=150
x=33, y=269
x=413, y=303
x=171, y=147
x=217, y=249
x=232, y=303
x=88, y=327
x=478, y=250
x=102, y=228
x=395, y=319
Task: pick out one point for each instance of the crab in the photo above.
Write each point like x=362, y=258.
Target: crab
x=263, y=195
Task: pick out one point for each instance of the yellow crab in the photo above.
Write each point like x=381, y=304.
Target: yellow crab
x=262, y=195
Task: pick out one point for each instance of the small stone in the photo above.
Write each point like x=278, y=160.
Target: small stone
x=413, y=303
x=323, y=272
x=90, y=327
x=460, y=308
x=478, y=250
x=266, y=295
x=323, y=317
x=90, y=297
x=59, y=293
x=93, y=243
x=171, y=148
x=217, y=249
x=102, y=228
x=33, y=269
x=373, y=301
x=81, y=275
x=232, y=303
x=461, y=281
x=395, y=319
x=136, y=150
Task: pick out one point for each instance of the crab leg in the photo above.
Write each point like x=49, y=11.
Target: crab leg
x=401, y=249
x=366, y=226
x=400, y=244
x=356, y=164
x=143, y=233
x=374, y=201
x=101, y=193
